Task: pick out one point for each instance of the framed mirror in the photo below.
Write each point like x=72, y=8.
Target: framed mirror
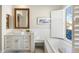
x=7, y=21
x=21, y=18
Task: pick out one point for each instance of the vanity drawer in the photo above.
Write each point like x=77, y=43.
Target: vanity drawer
x=23, y=45
x=7, y=37
x=9, y=45
x=26, y=46
x=26, y=39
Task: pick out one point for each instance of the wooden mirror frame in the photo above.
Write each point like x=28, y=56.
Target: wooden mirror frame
x=27, y=9
x=7, y=21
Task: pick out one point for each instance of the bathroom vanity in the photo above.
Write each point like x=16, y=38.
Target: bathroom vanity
x=18, y=42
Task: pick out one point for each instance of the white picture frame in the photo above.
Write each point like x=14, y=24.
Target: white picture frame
x=43, y=20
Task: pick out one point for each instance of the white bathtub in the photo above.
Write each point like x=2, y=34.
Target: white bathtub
x=58, y=46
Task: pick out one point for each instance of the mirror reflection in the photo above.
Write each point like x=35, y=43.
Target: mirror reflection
x=21, y=18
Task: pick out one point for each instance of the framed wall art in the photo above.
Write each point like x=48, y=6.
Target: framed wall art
x=42, y=20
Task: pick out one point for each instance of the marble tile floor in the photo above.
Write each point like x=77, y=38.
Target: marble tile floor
x=37, y=50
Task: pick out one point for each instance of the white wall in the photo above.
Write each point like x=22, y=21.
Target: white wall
x=41, y=30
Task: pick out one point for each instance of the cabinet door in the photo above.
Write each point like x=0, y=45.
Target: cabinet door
x=26, y=45
x=58, y=24
x=20, y=43
x=27, y=42
x=9, y=43
x=23, y=43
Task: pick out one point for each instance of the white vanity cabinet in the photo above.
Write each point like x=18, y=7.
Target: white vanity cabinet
x=17, y=42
